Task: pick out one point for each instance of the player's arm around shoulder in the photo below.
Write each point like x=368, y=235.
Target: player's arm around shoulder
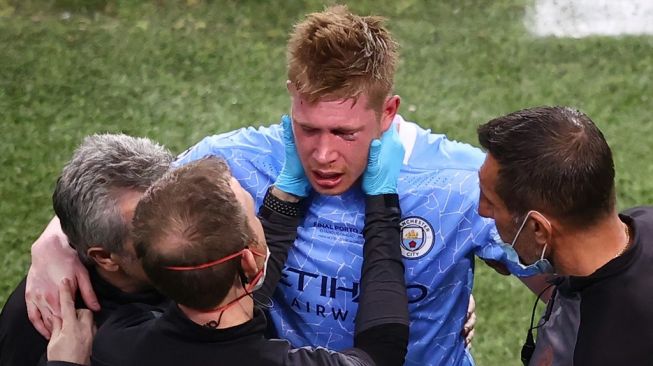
x=242, y=142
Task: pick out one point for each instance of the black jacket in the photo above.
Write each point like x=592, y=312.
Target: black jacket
x=22, y=345
x=605, y=318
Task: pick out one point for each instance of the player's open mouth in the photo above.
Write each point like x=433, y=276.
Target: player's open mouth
x=327, y=180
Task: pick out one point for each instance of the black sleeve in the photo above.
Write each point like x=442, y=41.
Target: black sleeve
x=382, y=318
x=280, y=229
x=118, y=340
x=320, y=356
x=20, y=343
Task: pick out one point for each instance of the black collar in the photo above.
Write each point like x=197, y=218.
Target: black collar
x=616, y=265
x=175, y=321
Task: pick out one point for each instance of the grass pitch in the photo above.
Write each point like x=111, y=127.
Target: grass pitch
x=176, y=71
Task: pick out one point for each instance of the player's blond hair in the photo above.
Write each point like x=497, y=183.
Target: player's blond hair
x=335, y=54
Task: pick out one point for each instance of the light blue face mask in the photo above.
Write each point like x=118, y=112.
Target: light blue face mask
x=515, y=264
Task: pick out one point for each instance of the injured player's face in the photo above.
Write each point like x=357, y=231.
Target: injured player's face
x=333, y=140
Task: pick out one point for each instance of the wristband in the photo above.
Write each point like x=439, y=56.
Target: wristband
x=273, y=203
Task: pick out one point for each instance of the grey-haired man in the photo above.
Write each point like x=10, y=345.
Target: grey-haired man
x=94, y=200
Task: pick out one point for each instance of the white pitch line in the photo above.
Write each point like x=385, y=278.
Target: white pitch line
x=583, y=18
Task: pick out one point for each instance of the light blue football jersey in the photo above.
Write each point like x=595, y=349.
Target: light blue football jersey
x=316, y=301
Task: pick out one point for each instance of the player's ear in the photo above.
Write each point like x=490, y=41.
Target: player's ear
x=103, y=258
x=390, y=108
x=541, y=228
x=248, y=264
x=292, y=89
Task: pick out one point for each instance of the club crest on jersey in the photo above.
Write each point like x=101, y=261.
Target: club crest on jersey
x=416, y=237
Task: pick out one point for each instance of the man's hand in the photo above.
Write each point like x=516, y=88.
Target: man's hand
x=383, y=164
x=72, y=334
x=470, y=322
x=52, y=261
x=292, y=178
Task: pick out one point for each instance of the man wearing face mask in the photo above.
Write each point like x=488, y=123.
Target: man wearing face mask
x=201, y=244
x=548, y=182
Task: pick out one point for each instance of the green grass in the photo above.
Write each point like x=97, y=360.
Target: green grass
x=177, y=72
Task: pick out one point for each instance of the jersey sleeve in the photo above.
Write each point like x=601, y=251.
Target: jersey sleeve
x=486, y=239
x=254, y=155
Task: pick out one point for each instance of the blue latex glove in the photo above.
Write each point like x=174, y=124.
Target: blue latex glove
x=292, y=178
x=383, y=164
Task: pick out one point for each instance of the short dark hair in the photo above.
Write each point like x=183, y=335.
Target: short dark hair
x=553, y=159
x=190, y=217
x=85, y=196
